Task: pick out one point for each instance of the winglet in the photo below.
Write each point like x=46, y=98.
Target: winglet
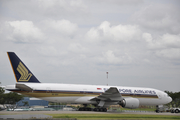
x=21, y=72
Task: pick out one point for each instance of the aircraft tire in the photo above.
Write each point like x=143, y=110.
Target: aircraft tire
x=176, y=111
x=100, y=109
x=85, y=109
x=95, y=109
x=88, y=109
x=157, y=111
x=104, y=110
x=172, y=111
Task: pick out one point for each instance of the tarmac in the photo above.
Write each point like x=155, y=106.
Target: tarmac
x=43, y=114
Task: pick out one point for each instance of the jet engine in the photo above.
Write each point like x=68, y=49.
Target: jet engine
x=131, y=103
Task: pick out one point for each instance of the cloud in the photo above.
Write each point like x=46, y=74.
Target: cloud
x=76, y=48
x=106, y=32
x=80, y=40
x=159, y=17
x=167, y=45
x=47, y=50
x=147, y=37
x=67, y=5
x=111, y=58
x=162, y=42
x=171, y=53
x=61, y=8
x=63, y=27
x=24, y=31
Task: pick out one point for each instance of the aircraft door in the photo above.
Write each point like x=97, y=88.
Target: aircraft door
x=84, y=91
x=48, y=90
x=159, y=95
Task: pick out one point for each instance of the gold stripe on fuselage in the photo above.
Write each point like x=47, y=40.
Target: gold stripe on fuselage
x=39, y=94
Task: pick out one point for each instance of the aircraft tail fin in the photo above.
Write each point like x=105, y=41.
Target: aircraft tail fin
x=21, y=72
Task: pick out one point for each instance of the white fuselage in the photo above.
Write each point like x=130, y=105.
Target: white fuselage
x=74, y=93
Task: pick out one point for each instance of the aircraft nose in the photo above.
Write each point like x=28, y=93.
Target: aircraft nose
x=170, y=99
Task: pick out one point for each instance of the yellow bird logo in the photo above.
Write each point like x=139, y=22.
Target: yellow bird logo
x=25, y=76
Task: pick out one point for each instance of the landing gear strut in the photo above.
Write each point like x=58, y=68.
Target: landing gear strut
x=159, y=108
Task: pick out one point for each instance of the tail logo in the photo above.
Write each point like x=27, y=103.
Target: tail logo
x=25, y=75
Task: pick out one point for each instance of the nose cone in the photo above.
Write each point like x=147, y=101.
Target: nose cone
x=169, y=99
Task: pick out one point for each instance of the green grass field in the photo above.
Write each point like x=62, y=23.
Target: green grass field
x=137, y=109
x=116, y=116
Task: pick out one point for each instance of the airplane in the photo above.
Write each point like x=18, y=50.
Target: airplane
x=100, y=96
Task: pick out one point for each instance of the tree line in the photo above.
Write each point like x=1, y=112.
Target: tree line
x=10, y=98
x=175, y=99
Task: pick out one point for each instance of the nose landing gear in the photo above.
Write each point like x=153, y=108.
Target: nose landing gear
x=159, y=108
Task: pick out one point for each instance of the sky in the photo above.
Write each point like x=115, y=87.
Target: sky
x=77, y=41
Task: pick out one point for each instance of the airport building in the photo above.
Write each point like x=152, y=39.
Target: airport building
x=32, y=102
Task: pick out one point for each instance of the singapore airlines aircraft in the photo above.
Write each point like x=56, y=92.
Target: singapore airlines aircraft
x=98, y=95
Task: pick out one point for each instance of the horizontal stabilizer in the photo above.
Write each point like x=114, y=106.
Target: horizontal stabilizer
x=23, y=87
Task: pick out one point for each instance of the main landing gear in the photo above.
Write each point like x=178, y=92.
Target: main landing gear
x=98, y=109
x=93, y=109
x=85, y=109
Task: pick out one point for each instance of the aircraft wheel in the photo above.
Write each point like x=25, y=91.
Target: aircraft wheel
x=95, y=109
x=157, y=111
x=101, y=109
x=105, y=110
x=176, y=111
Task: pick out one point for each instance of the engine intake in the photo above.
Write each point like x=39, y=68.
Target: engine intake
x=131, y=103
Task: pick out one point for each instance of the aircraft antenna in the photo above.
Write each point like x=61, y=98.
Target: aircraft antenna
x=107, y=78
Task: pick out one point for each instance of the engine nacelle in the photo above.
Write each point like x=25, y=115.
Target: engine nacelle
x=131, y=103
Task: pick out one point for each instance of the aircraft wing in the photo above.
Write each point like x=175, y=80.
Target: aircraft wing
x=110, y=95
x=23, y=87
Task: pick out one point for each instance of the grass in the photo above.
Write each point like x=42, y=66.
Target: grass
x=115, y=116
x=137, y=109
